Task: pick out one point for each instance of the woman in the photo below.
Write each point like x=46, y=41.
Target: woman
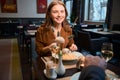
x=55, y=25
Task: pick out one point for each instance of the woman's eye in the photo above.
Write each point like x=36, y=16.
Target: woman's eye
x=62, y=11
x=54, y=11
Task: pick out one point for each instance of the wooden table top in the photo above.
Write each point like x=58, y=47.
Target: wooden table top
x=39, y=66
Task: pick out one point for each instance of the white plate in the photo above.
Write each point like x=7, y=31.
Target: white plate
x=75, y=76
x=77, y=54
x=110, y=75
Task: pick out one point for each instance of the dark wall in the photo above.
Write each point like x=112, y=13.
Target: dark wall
x=115, y=18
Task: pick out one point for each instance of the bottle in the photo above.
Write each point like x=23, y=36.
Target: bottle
x=105, y=27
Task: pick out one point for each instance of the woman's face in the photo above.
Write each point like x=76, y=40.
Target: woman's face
x=58, y=14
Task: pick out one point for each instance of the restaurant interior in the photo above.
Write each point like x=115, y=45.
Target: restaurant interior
x=93, y=23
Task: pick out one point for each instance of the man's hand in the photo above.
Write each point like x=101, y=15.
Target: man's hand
x=93, y=60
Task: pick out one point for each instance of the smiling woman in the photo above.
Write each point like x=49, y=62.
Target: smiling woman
x=56, y=25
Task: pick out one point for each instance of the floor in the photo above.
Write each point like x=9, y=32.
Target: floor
x=26, y=64
x=10, y=68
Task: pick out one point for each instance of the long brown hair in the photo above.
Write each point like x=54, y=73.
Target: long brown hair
x=49, y=21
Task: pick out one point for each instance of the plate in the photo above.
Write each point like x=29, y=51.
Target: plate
x=75, y=76
x=77, y=54
x=110, y=75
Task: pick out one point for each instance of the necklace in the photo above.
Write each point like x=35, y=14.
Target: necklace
x=56, y=32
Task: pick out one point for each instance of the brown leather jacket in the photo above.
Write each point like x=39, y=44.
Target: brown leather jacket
x=45, y=37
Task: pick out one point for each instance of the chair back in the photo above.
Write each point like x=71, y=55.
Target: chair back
x=84, y=41
x=116, y=27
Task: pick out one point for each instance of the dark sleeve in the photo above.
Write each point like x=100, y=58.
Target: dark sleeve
x=92, y=73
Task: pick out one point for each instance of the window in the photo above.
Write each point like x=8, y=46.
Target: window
x=68, y=4
x=95, y=10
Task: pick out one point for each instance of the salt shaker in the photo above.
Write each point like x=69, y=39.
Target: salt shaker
x=50, y=70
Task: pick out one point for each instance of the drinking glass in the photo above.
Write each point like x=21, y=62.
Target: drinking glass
x=55, y=50
x=107, y=51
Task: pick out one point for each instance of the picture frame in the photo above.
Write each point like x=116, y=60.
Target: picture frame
x=41, y=6
x=8, y=6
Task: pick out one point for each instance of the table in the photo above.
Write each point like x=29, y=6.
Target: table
x=39, y=66
x=28, y=41
x=27, y=37
x=102, y=33
x=115, y=32
x=99, y=33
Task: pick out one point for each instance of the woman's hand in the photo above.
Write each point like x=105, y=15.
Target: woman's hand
x=52, y=45
x=73, y=47
x=49, y=47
